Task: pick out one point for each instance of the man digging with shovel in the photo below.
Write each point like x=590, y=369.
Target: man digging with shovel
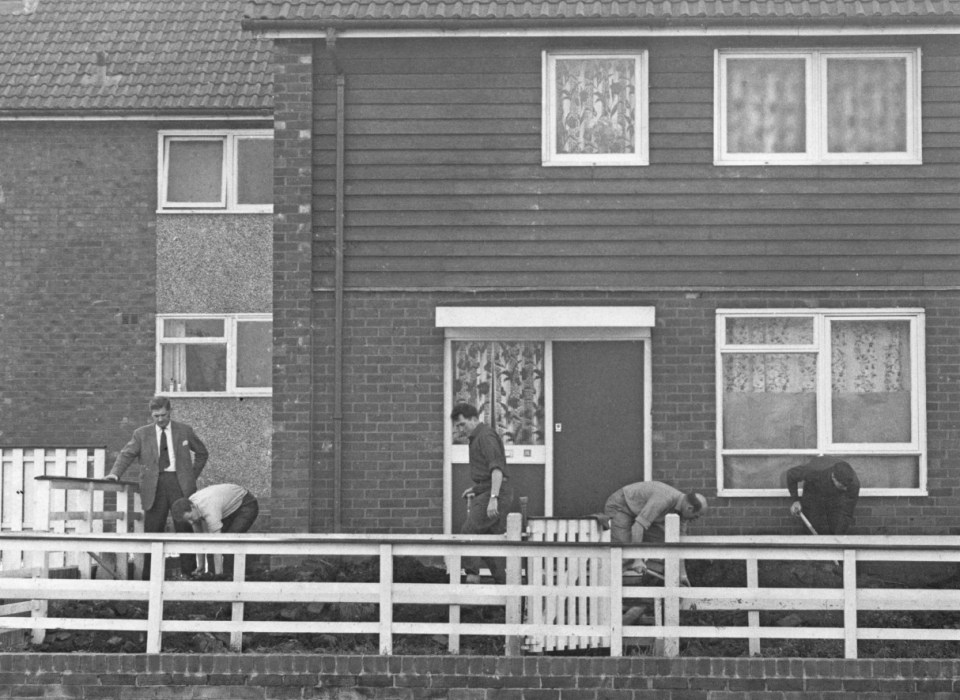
x=830, y=492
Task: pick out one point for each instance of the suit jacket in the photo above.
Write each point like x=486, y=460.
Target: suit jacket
x=143, y=447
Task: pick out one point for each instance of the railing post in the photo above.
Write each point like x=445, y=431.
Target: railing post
x=616, y=601
x=386, y=599
x=39, y=610
x=671, y=580
x=155, y=604
x=753, y=616
x=453, y=613
x=850, y=603
x=236, y=609
x=512, y=615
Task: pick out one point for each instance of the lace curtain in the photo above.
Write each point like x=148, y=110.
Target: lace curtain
x=596, y=105
x=504, y=380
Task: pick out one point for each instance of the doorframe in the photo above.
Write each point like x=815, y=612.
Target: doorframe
x=543, y=323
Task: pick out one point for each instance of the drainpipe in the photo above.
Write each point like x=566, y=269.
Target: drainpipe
x=338, y=295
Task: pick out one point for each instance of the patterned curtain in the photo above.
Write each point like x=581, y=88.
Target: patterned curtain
x=766, y=105
x=596, y=105
x=866, y=105
x=504, y=380
x=770, y=372
x=870, y=357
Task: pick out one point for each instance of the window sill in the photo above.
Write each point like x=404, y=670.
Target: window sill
x=216, y=394
x=782, y=493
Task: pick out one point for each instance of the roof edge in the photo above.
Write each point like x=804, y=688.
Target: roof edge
x=37, y=115
x=294, y=26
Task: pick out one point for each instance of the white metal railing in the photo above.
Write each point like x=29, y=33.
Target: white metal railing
x=849, y=599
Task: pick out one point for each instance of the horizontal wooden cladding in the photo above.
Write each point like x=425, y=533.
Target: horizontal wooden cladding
x=445, y=186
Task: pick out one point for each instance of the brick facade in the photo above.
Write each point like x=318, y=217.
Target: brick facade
x=393, y=406
x=293, y=316
x=289, y=677
x=78, y=261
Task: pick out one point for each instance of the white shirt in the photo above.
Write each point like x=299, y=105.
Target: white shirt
x=217, y=502
x=170, y=450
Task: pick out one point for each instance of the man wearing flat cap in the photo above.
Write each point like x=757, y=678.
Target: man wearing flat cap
x=830, y=492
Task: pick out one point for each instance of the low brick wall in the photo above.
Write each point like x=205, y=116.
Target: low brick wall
x=285, y=677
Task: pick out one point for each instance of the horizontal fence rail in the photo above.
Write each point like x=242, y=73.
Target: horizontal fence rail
x=517, y=597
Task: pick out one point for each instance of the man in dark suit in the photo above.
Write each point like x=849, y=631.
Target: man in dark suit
x=171, y=458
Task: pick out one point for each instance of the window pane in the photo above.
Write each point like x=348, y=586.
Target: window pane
x=194, y=367
x=769, y=472
x=769, y=331
x=759, y=471
x=255, y=171
x=866, y=105
x=870, y=378
x=195, y=171
x=595, y=105
x=504, y=380
x=766, y=105
x=254, y=353
x=769, y=401
x=890, y=472
x=193, y=328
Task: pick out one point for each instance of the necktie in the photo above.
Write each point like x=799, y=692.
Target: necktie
x=164, y=451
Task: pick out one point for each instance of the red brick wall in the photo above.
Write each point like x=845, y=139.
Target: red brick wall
x=393, y=407
x=294, y=426
x=288, y=677
x=78, y=269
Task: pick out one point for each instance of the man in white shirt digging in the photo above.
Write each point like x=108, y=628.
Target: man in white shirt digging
x=217, y=508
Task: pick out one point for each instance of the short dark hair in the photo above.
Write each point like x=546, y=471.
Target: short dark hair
x=464, y=409
x=180, y=509
x=695, y=501
x=844, y=473
x=158, y=402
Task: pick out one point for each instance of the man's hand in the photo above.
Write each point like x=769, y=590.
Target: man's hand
x=493, y=509
x=795, y=509
x=111, y=477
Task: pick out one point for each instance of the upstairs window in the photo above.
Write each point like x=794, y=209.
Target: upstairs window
x=595, y=108
x=216, y=171
x=818, y=107
x=793, y=385
x=211, y=354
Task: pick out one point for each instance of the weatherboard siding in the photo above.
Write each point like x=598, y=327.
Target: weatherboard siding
x=444, y=185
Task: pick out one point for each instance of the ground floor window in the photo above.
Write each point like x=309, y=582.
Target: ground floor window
x=793, y=384
x=215, y=354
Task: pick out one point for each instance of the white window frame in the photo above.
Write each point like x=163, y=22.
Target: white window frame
x=227, y=201
x=549, y=154
x=817, y=153
x=820, y=345
x=229, y=339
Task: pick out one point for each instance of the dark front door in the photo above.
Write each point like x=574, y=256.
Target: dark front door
x=598, y=422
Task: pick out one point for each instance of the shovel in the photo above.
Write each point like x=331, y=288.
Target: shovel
x=813, y=530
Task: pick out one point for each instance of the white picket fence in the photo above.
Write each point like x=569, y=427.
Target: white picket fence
x=26, y=504
x=519, y=593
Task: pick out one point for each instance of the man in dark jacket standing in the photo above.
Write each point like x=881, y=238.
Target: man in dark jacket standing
x=171, y=457
x=492, y=496
x=830, y=492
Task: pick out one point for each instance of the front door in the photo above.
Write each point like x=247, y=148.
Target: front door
x=598, y=422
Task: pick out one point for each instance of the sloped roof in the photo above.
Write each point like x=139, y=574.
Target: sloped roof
x=262, y=13
x=142, y=56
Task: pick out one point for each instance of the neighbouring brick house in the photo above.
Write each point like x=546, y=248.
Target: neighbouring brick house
x=136, y=227
x=691, y=242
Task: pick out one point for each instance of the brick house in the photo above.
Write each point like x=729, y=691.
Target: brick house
x=136, y=227
x=696, y=243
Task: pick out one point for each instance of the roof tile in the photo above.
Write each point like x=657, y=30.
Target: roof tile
x=161, y=55
x=698, y=10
